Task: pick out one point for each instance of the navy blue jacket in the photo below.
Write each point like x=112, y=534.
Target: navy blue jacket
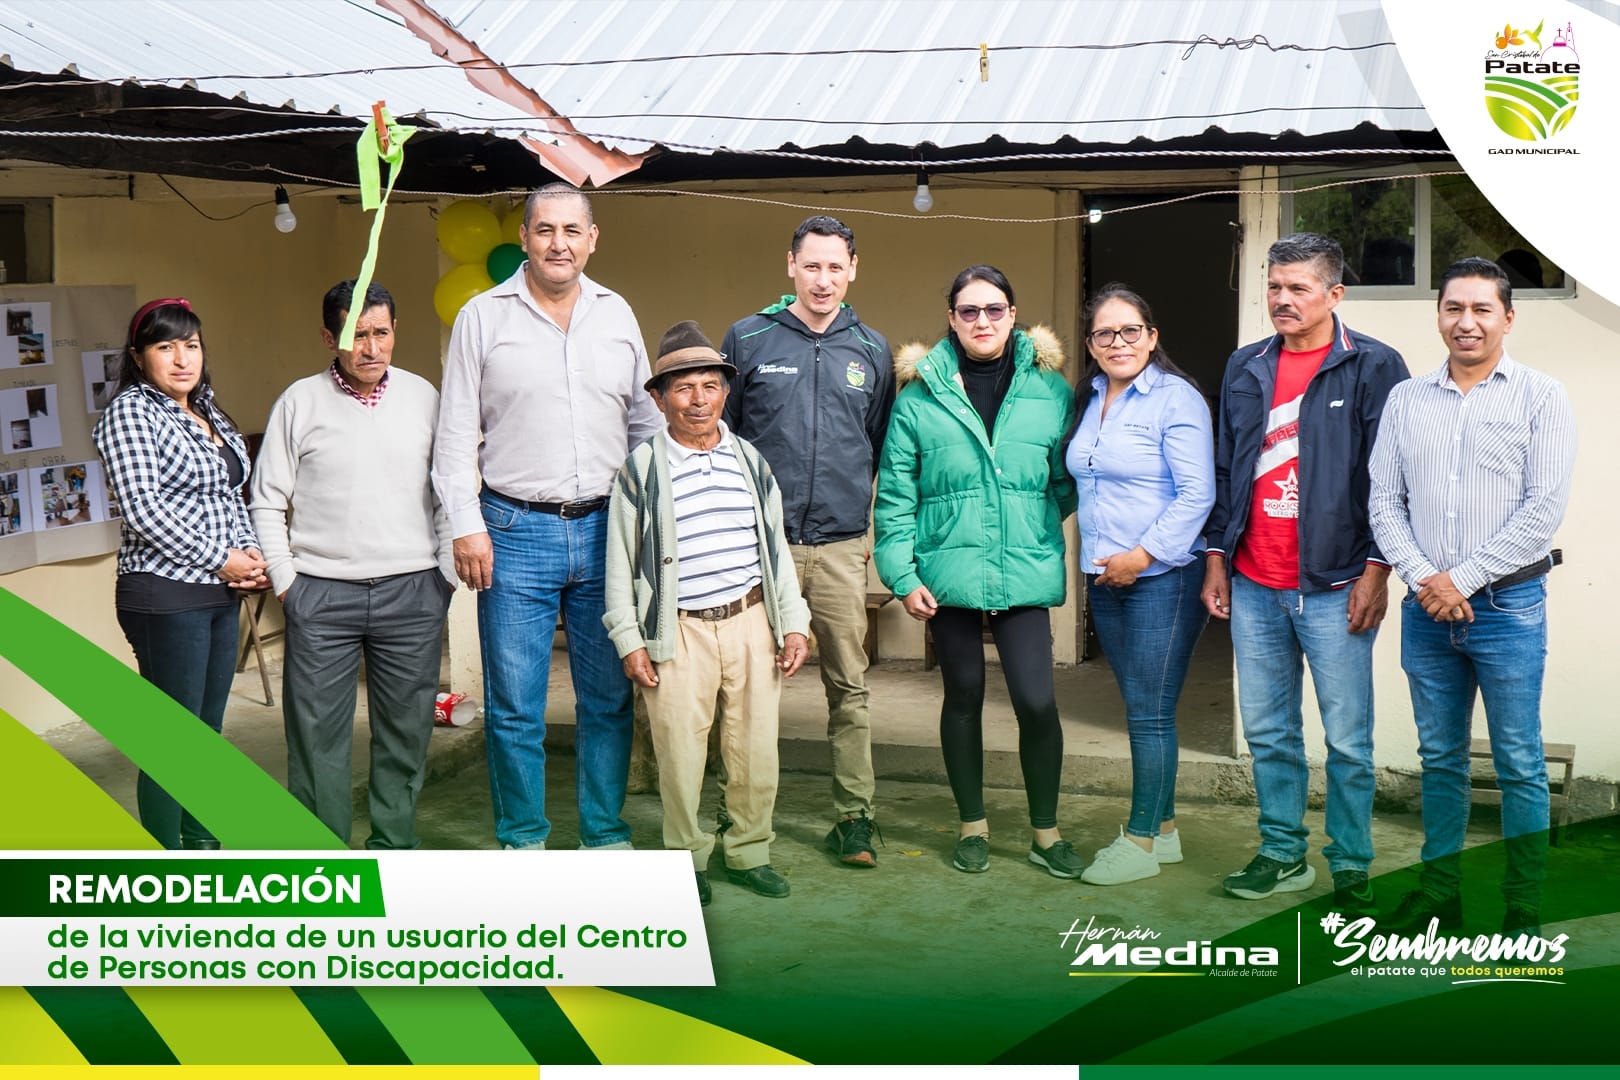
x=817, y=406
x=1338, y=424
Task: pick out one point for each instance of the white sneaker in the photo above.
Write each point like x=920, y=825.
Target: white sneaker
x=1120, y=862
x=622, y=845
x=539, y=845
x=1167, y=846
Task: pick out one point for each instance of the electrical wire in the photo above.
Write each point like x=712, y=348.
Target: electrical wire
x=204, y=213
x=848, y=211
x=791, y=155
x=1191, y=45
x=932, y=122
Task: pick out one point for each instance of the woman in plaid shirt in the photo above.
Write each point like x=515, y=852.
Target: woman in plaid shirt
x=176, y=465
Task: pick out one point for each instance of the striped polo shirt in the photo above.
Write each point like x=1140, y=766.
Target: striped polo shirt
x=716, y=542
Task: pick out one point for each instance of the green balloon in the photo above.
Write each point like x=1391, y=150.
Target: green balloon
x=503, y=261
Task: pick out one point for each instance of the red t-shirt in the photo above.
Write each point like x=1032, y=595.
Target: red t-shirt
x=1269, y=551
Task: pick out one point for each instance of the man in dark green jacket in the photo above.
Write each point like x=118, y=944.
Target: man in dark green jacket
x=812, y=392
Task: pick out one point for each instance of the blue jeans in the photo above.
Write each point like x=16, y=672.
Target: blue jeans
x=1273, y=631
x=1148, y=631
x=191, y=656
x=1502, y=654
x=545, y=563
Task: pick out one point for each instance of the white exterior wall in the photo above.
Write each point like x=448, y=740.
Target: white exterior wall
x=1577, y=341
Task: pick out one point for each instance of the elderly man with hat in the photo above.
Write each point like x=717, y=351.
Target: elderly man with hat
x=704, y=608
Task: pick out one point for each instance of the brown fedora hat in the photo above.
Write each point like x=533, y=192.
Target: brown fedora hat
x=682, y=348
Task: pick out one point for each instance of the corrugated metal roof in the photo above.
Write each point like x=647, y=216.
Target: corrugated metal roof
x=578, y=55
x=259, y=52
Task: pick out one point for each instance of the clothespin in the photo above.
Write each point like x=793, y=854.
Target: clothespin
x=382, y=126
x=984, y=61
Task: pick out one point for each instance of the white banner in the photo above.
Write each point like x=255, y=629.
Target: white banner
x=1527, y=96
x=376, y=918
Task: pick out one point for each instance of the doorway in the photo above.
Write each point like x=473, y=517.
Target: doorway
x=1182, y=259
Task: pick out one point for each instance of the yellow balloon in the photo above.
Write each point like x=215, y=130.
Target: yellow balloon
x=510, y=224
x=468, y=231
x=458, y=286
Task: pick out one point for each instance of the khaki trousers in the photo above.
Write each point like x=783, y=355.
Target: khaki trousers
x=832, y=578
x=723, y=671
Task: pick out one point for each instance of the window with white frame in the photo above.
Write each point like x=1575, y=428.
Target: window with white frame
x=1400, y=232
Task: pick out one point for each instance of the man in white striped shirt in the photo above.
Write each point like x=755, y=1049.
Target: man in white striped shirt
x=703, y=606
x=1470, y=479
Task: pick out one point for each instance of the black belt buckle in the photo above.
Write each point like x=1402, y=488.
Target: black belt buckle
x=580, y=508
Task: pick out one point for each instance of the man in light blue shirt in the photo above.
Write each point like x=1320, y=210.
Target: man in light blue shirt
x=1470, y=479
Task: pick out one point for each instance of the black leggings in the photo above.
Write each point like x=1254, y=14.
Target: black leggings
x=1023, y=637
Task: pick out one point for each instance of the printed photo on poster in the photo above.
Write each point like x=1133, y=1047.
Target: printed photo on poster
x=70, y=495
x=101, y=371
x=27, y=340
x=14, y=513
x=29, y=419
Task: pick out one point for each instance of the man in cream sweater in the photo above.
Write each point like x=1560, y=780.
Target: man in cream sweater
x=359, y=554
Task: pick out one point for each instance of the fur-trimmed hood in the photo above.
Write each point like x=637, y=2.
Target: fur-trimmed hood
x=1048, y=353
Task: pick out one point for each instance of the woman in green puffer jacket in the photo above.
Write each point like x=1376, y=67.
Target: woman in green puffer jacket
x=972, y=493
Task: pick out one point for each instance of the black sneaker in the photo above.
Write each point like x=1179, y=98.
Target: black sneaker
x=1059, y=860
x=1520, y=921
x=705, y=893
x=1353, y=894
x=1264, y=876
x=762, y=880
x=851, y=841
x=972, y=855
x=1418, y=908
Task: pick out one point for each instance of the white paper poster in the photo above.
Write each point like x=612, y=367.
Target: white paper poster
x=27, y=339
x=69, y=495
x=29, y=419
x=101, y=370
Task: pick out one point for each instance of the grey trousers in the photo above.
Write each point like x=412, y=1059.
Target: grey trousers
x=397, y=624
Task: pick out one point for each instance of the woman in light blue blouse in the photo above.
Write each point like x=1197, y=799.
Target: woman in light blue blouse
x=1143, y=456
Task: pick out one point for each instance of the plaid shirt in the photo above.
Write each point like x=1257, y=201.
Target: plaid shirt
x=370, y=400
x=181, y=515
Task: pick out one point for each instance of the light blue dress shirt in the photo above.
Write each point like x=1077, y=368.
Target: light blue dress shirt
x=1146, y=472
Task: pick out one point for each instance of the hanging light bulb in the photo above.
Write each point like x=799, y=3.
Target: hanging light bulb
x=286, y=220
x=923, y=201
x=1094, y=215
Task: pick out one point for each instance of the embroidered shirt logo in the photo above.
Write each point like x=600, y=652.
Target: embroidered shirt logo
x=855, y=374
x=1286, y=504
x=778, y=369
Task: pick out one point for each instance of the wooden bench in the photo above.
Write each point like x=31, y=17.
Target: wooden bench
x=874, y=603
x=1486, y=792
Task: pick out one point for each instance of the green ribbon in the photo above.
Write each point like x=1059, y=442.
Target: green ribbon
x=368, y=156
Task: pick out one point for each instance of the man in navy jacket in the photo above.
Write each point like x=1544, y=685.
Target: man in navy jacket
x=812, y=392
x=1292, y=563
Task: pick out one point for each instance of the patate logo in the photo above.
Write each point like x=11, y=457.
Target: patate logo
x=1531, y=88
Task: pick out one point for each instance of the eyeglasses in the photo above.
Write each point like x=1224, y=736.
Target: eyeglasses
x=969, y=313
x=1130, y=335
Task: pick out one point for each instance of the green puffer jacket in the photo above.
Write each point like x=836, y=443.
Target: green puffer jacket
x=980, y=524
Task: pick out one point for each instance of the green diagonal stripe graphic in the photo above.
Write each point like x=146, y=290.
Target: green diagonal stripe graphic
x=80, y=814
x=240, y=803
x=446, y=1026
x=104, y=1024
x=353, y=1028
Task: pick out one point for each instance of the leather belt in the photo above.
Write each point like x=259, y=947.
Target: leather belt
x=577, y=509
x=726, y=611
x=1528, y=573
